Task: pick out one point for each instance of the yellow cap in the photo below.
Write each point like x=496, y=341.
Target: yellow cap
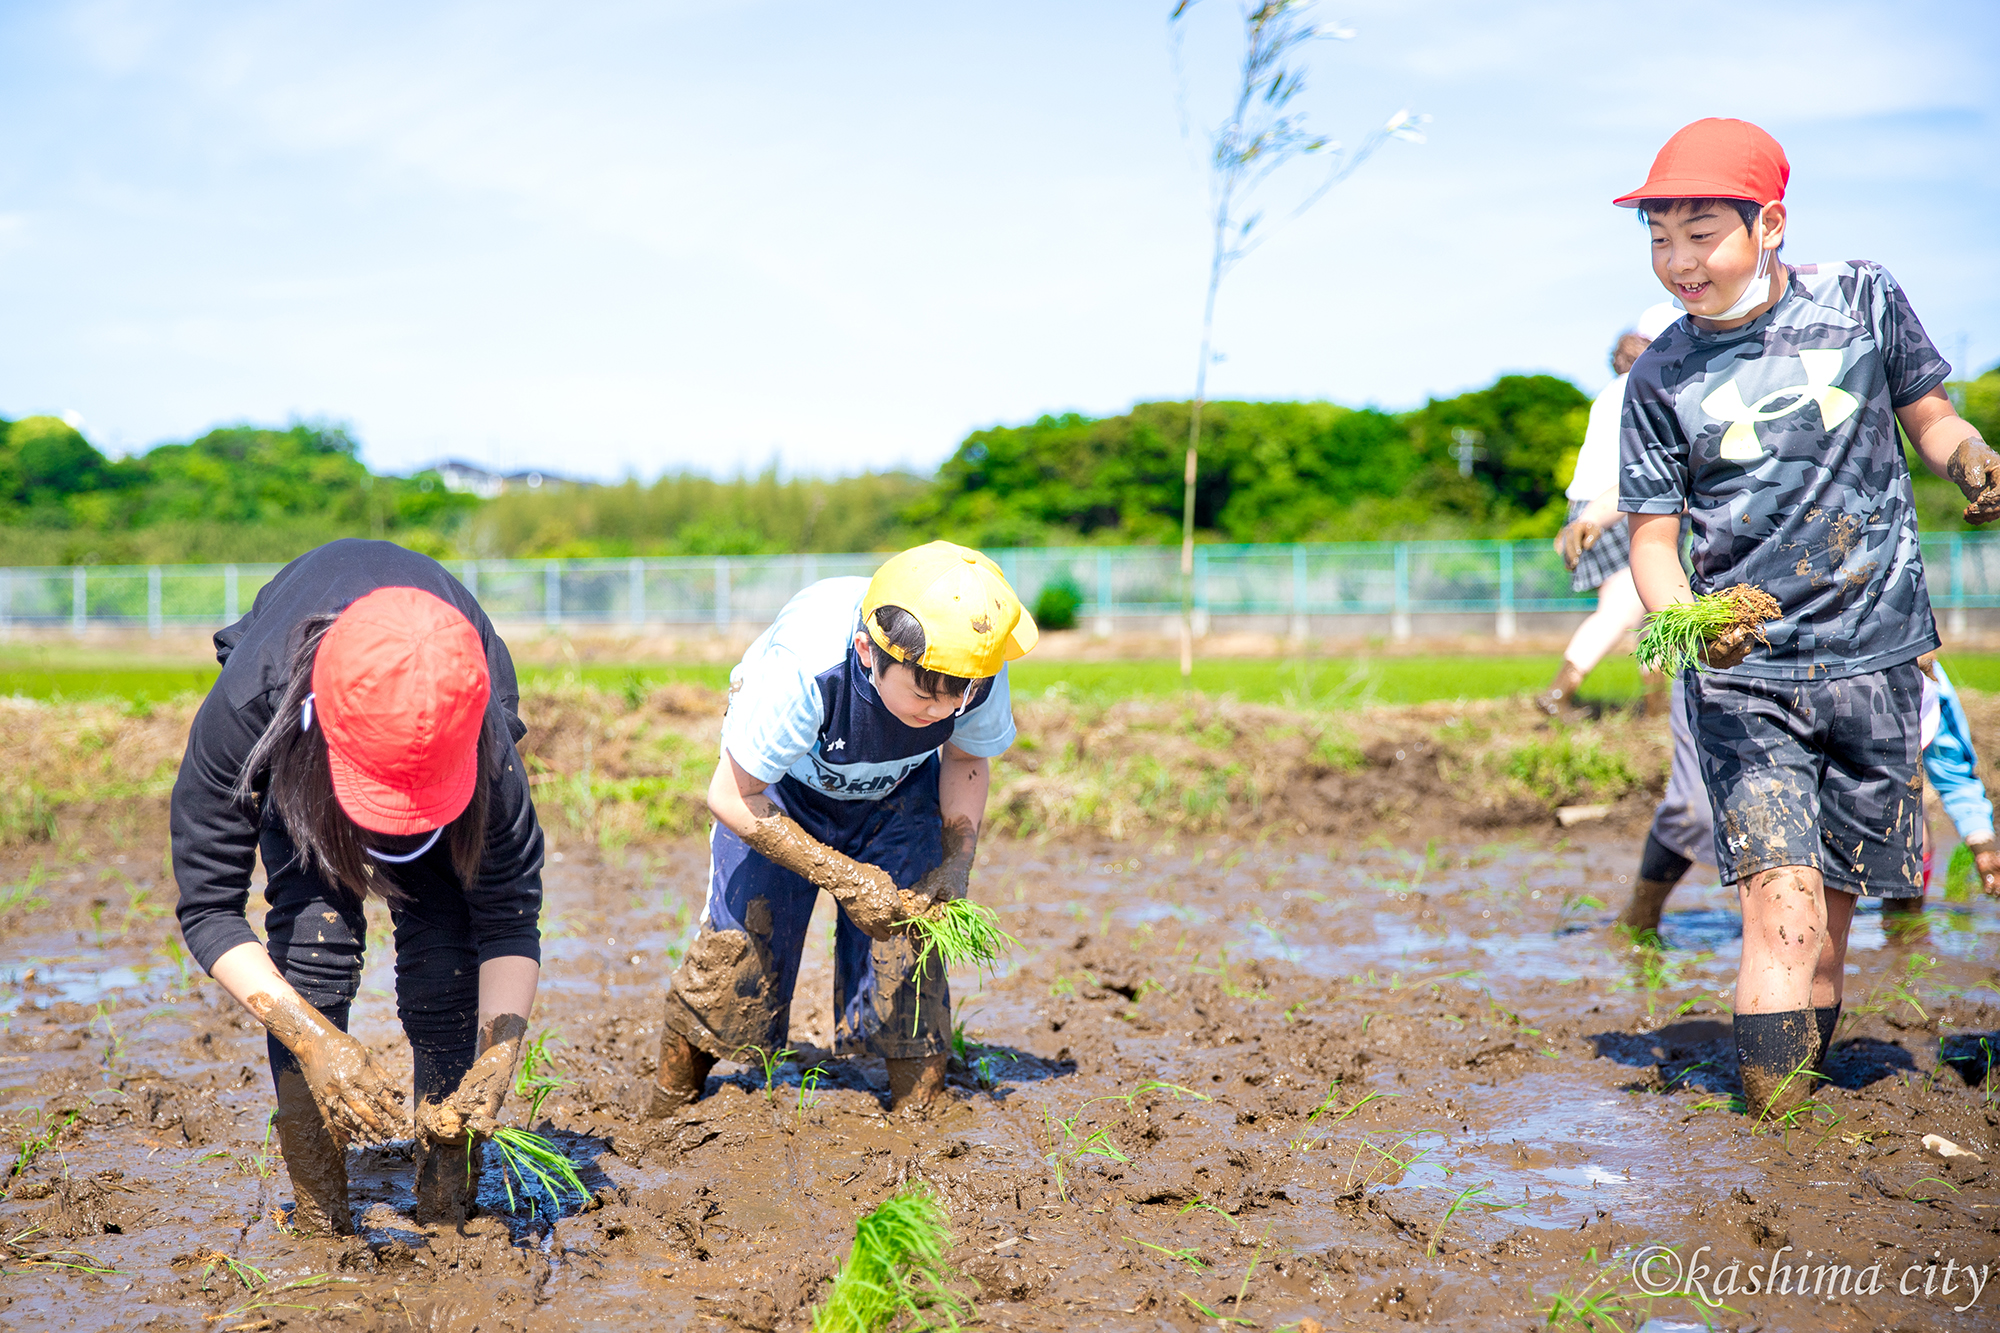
x=973, y=623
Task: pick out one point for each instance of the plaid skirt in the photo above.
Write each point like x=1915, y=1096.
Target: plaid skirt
x=1610, y=553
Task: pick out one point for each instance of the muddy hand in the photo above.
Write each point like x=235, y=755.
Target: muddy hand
x=358, y=1099
x=474, y=1107
x=1976, y=471
x=1574, y=540
x=1985, y=861
x=866, y=893
x=951, y=879
x=1728, y=648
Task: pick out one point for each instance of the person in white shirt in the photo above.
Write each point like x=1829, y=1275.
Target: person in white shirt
x=1593, y=542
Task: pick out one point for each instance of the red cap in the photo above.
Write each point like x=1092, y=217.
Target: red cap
x=1716, y=159
x=400, y=690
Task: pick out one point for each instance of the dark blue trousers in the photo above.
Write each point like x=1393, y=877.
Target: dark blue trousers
x=732, y=995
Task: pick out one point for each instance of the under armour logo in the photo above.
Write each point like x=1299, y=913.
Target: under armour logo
x=838, y=745
x=1739, y=442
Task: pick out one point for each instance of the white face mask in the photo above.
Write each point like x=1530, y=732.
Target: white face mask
x=1757, y=290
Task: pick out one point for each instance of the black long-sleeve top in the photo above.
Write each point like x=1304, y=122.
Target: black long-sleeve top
x=216, y=837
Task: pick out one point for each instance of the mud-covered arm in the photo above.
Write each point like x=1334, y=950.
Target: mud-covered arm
x=1951, y=447
x=358, y=1098
x=867, y=893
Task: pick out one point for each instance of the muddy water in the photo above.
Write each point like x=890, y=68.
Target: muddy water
x=1366, y=1085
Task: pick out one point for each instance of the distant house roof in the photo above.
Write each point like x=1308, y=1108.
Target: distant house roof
x=472, y=479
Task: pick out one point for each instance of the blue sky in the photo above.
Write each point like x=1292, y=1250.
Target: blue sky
x=606, y=237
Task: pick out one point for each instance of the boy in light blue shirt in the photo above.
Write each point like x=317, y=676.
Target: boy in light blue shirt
x=855, y=759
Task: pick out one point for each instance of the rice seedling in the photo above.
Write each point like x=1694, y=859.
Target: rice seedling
x=34, y=1145
x=1469, y=1194
x=770, y=1062
x=1188, y=1254
x=537, y=1079
x=526, y=1158
x=74, y=1260
x=1675, y=636
x=960, y=932
x=896, y=1269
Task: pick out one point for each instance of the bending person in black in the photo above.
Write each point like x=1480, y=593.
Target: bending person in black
x=361, y=737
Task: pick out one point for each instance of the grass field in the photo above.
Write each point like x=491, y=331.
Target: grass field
x=1326, y=682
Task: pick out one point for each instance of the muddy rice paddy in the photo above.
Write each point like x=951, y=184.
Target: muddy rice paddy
x=1280, y=1081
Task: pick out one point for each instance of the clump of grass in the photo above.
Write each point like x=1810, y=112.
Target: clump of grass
x=1674, y=636
x=896, y=1268
x=525, y=1157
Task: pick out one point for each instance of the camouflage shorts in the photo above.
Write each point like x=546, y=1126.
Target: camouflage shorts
x=1821, y=773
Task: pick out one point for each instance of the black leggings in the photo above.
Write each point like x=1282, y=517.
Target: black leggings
x=317, y=937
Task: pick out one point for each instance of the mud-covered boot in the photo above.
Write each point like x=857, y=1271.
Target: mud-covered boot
x=915, y=1084
x=1558, y=701
x=681, y=1078
x=447, y=1181
x=1642, y=913
x=1775, y=1055
x=1827, y=1019
x=316, y=1164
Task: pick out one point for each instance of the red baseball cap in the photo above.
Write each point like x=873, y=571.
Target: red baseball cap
x=1716, y=159
x=400, y=689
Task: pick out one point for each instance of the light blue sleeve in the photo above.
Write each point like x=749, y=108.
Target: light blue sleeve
x=1953, y=767
x=988, y=729
x=774, y=719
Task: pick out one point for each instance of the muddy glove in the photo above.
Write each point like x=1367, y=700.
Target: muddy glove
x=1728, y=648
x=867, y=893
x=474, y=1108
x=1976, y=471
x=1574, y=539
x=1985, y=861
x=357, y=1098
x=950, y=880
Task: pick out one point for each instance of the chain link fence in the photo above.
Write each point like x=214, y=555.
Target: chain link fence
x=1298, y=584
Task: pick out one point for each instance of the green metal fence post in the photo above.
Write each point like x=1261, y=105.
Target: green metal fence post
x=79, y=600
x=552, y=591
x=1104, y=599
x=153, y=610
x=1503, y=624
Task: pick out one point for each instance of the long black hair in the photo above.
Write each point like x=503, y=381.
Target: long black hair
x=291, y=761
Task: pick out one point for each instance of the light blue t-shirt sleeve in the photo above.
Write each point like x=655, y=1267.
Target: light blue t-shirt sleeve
x=1953, y=767
x=774, y=719
x=988, y=729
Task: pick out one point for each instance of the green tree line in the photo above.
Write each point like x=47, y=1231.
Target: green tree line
x=1492, y=462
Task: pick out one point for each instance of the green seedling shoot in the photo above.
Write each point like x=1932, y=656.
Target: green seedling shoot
x=537, y=1079
x=896, y=1268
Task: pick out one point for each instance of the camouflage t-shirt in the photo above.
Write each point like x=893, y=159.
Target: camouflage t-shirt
x=1779, y=440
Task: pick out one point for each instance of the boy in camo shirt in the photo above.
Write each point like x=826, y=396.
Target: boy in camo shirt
x=1768, y=415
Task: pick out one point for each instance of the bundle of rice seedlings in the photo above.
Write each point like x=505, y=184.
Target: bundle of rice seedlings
x=961, y=931
x=1674, y=636
x=525, y=1156
x=896, y=1268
